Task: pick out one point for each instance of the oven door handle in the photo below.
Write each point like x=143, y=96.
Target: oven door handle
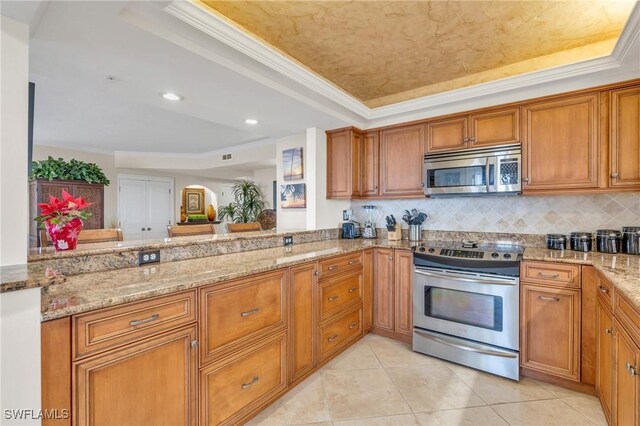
x=493, y=281
x=457, y=345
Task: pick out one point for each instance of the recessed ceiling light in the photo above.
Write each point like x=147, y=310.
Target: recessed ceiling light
x=170, y=96
x=251, y=121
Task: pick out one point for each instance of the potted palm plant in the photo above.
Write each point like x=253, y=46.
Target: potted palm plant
x=248, y=203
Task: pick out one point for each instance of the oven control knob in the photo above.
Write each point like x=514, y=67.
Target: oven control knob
x=494, y=255
x=431, y=250
x=507, y=256
x=421, y=249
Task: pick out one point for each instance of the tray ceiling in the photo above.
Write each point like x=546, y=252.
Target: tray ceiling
x=384, y=52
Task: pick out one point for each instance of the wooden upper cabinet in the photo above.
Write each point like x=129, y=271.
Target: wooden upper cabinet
x=624, y=148
x=370, y=165
x=343, y=163
x=402, y=156
x=447, y=135
x=560, y=144
x=494, y=127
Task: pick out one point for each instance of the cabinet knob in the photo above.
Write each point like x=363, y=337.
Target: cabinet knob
x=466, y=139
x=194, y=343
x=422, y=185
x=614, y=175
x=607, y=331
x=390, y=257
x=472, y=139
x=525, y=179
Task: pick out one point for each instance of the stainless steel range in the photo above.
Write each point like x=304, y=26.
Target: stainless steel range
x=466, y=305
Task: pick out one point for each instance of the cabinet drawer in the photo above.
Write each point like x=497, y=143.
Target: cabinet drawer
x=628, y=316
x=240, y=312
x=232, y=389
x=340, y=292
x=605, y=290
x=340, y=264
x=549, y=273
x=338, y=333
x=107, y=328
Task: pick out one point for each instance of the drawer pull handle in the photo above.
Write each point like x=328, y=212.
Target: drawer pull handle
x=633, y=371
x=246, y=385
x=332, y=268
x=543, y=275
x=353, y=325
x=251, y=312
x=607, y=331
x=144, y=320
x=351, y=290
x=550, y=299
x=332, y=337
x=603, y=290
x=351, y=262
x=332, y=298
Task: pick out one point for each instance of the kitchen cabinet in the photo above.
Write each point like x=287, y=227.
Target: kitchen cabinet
x=447, y=135
x=370, y=165
x=589, y=329
x=604, y=361
x=393, y=291
x=367, y=290
x=627, y=385
x=121, y=387
x=624, y=143
x=568, y=128
x=344, y=163
x=401, y=160
x=302, y=323
x=550, y=330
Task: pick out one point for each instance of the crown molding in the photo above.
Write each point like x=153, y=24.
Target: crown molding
x=223, y=30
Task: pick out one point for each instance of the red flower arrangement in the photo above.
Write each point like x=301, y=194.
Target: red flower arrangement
x=63, y=219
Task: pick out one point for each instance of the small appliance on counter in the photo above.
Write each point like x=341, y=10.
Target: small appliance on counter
x=609, y=241
x=350, y=229
x=370, y=215
x=556, y=242
x=631, y=239
x=581, y=241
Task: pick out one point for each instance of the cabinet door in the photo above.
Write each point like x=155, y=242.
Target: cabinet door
x=367, y=291
x=370, y=164
x=560, y=144
x=402, y=156
x=625, y=138
x=626, y=379
x=403, y=292
x=447, y=135
x=302, y=323
x=343, y=164
x=383, y=294
x=495, y=128
x=604, y=351
x=152, y=382
x=550, y=330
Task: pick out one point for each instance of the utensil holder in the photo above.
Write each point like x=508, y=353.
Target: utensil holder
x=415, y=232
x=395, y=235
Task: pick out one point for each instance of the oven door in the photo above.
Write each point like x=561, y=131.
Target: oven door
x=479, y=307
x=461, y=176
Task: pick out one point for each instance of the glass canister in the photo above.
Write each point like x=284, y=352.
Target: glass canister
x=581, y=241
x=609, y=240
x=556, y=242
x=631, y=239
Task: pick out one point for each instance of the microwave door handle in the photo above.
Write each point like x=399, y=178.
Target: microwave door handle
x=486, y=174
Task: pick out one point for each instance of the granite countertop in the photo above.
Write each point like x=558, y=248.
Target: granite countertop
x=86, y=292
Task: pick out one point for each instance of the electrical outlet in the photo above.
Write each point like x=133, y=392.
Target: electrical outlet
x=150, y=256
x=287, y=240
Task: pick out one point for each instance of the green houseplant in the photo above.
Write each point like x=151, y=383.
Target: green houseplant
x=52, y=168
x=248, y=204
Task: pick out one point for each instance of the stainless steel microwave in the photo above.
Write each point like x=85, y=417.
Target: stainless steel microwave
x=479, y=171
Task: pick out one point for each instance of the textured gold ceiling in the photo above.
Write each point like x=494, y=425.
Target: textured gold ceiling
x=384, y=52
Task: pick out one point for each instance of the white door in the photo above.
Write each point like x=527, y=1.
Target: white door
x=226, y=197
x=145, y=207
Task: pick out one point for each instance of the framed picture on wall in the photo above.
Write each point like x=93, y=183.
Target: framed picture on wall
x=293, y=196
x=292, y=164
x=193, y=200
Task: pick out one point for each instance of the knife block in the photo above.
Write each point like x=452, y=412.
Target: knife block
x=395, y=235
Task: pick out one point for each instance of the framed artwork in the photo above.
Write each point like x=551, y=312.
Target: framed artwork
x=292, y=164
x=193, y=200
x=293, y=196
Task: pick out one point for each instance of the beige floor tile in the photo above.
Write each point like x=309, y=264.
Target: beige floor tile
x=358, y=357
x=589, y=406
x=497, y=390
x=370, y=336
x=536, y=413
x=392, y=353
x=433, y=387
x=315, y=424
x=558, y=391
x=476, y=416
x=362, y=393
x=306, y=403
x=400, y=420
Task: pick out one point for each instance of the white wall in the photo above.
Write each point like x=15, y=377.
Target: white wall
x=292, y=219
x=264, y=178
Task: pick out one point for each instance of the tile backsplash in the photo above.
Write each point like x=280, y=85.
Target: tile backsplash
x=516, y=214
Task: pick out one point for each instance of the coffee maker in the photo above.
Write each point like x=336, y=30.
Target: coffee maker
x=350, y=228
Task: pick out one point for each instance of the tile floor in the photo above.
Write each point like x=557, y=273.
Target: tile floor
x=380, y=381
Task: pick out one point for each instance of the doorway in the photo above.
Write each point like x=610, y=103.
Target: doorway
x=145, y=206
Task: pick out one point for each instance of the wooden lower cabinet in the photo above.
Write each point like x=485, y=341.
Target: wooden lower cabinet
x=367, y=290
x=550, y=330
x=604, y=361
x=403, y=282
x=336, y=334
x=237, y=386
x=302, y=323
x=152, y=382
x=383, y=293
x=627, y=384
